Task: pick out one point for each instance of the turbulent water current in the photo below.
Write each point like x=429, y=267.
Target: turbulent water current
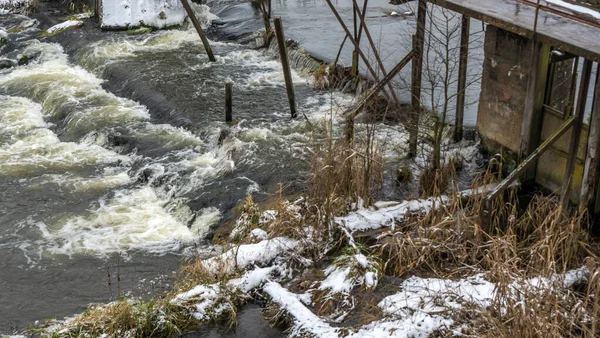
x=112, y=160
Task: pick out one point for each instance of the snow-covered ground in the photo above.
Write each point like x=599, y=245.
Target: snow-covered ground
x=64, y=25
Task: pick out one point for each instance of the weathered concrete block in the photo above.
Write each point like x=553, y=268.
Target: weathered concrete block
x=503, y=88
x=125, y=14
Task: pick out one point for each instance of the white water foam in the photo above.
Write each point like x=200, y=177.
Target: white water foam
x=28, y=145
x=132, y=220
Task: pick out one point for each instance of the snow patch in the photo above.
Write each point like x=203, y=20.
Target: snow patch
x=248, y=254
x=368, y=219
x=575, y=8
x=133, y=13
x=64, y=25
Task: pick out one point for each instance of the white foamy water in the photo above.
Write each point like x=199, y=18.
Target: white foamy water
x=28, y=146
x=132, y=220
x=63, y=89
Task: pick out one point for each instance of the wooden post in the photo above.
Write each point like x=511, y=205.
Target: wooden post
x=417, y=73
x=228, y=102
x=269, y=9
x=355, y=51
x=355, y=63
x=592, y=165
x=462, y=78
x=576, y=132
x=289, y=85
x=190, y=13
x=534, y=103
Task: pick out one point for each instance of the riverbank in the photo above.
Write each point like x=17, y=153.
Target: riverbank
x=332, y=261
x=396, y=269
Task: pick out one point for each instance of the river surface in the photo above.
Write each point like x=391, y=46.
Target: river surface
x=112, y=170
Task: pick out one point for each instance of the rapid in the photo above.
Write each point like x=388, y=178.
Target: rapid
x=116, y=163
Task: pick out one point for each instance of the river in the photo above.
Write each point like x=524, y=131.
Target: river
x=111, y=166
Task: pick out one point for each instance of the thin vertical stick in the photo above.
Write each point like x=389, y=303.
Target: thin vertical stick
x=286, y=66
x=462, y=78
x=190, y=13
x=119, y=275
x=228, y=102
x=337, y=57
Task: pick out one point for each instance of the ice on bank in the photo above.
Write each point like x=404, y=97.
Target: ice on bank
x=124, y=14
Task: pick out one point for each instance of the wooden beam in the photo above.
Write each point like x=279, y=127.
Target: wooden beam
x=462, y=77
x=584, y=86
x=287, y=73
x=563, y=56
x=534, y=103
x=591, y=170
x=198, y=26
x=354, y=42
x=416, y=78
x=381, y=84
x=363, y=26
x=531, y=158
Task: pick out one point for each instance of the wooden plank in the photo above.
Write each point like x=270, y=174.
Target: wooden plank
x=591, y=170
x=531, y=158
x=566, y=33
x=379, y=87
x=196, y=23
x=416, y=78
x=584, y=86
x=465, y=30
x=534, y=103
x=287, y=73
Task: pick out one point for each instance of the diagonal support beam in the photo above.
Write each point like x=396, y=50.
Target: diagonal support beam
x=531, y=158
x=381, y=84
x=363, y=26
x=354, y=42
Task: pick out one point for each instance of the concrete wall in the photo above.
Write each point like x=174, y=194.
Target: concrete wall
x=502, y=103
x=124, y=14
x=503, y=89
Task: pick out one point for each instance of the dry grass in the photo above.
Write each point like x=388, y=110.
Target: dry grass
x=126, y=318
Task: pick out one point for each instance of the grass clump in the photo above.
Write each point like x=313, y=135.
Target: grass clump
x=125, y=318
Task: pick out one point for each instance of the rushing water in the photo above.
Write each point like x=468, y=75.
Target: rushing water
x=110, y=160
x=113, y=160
